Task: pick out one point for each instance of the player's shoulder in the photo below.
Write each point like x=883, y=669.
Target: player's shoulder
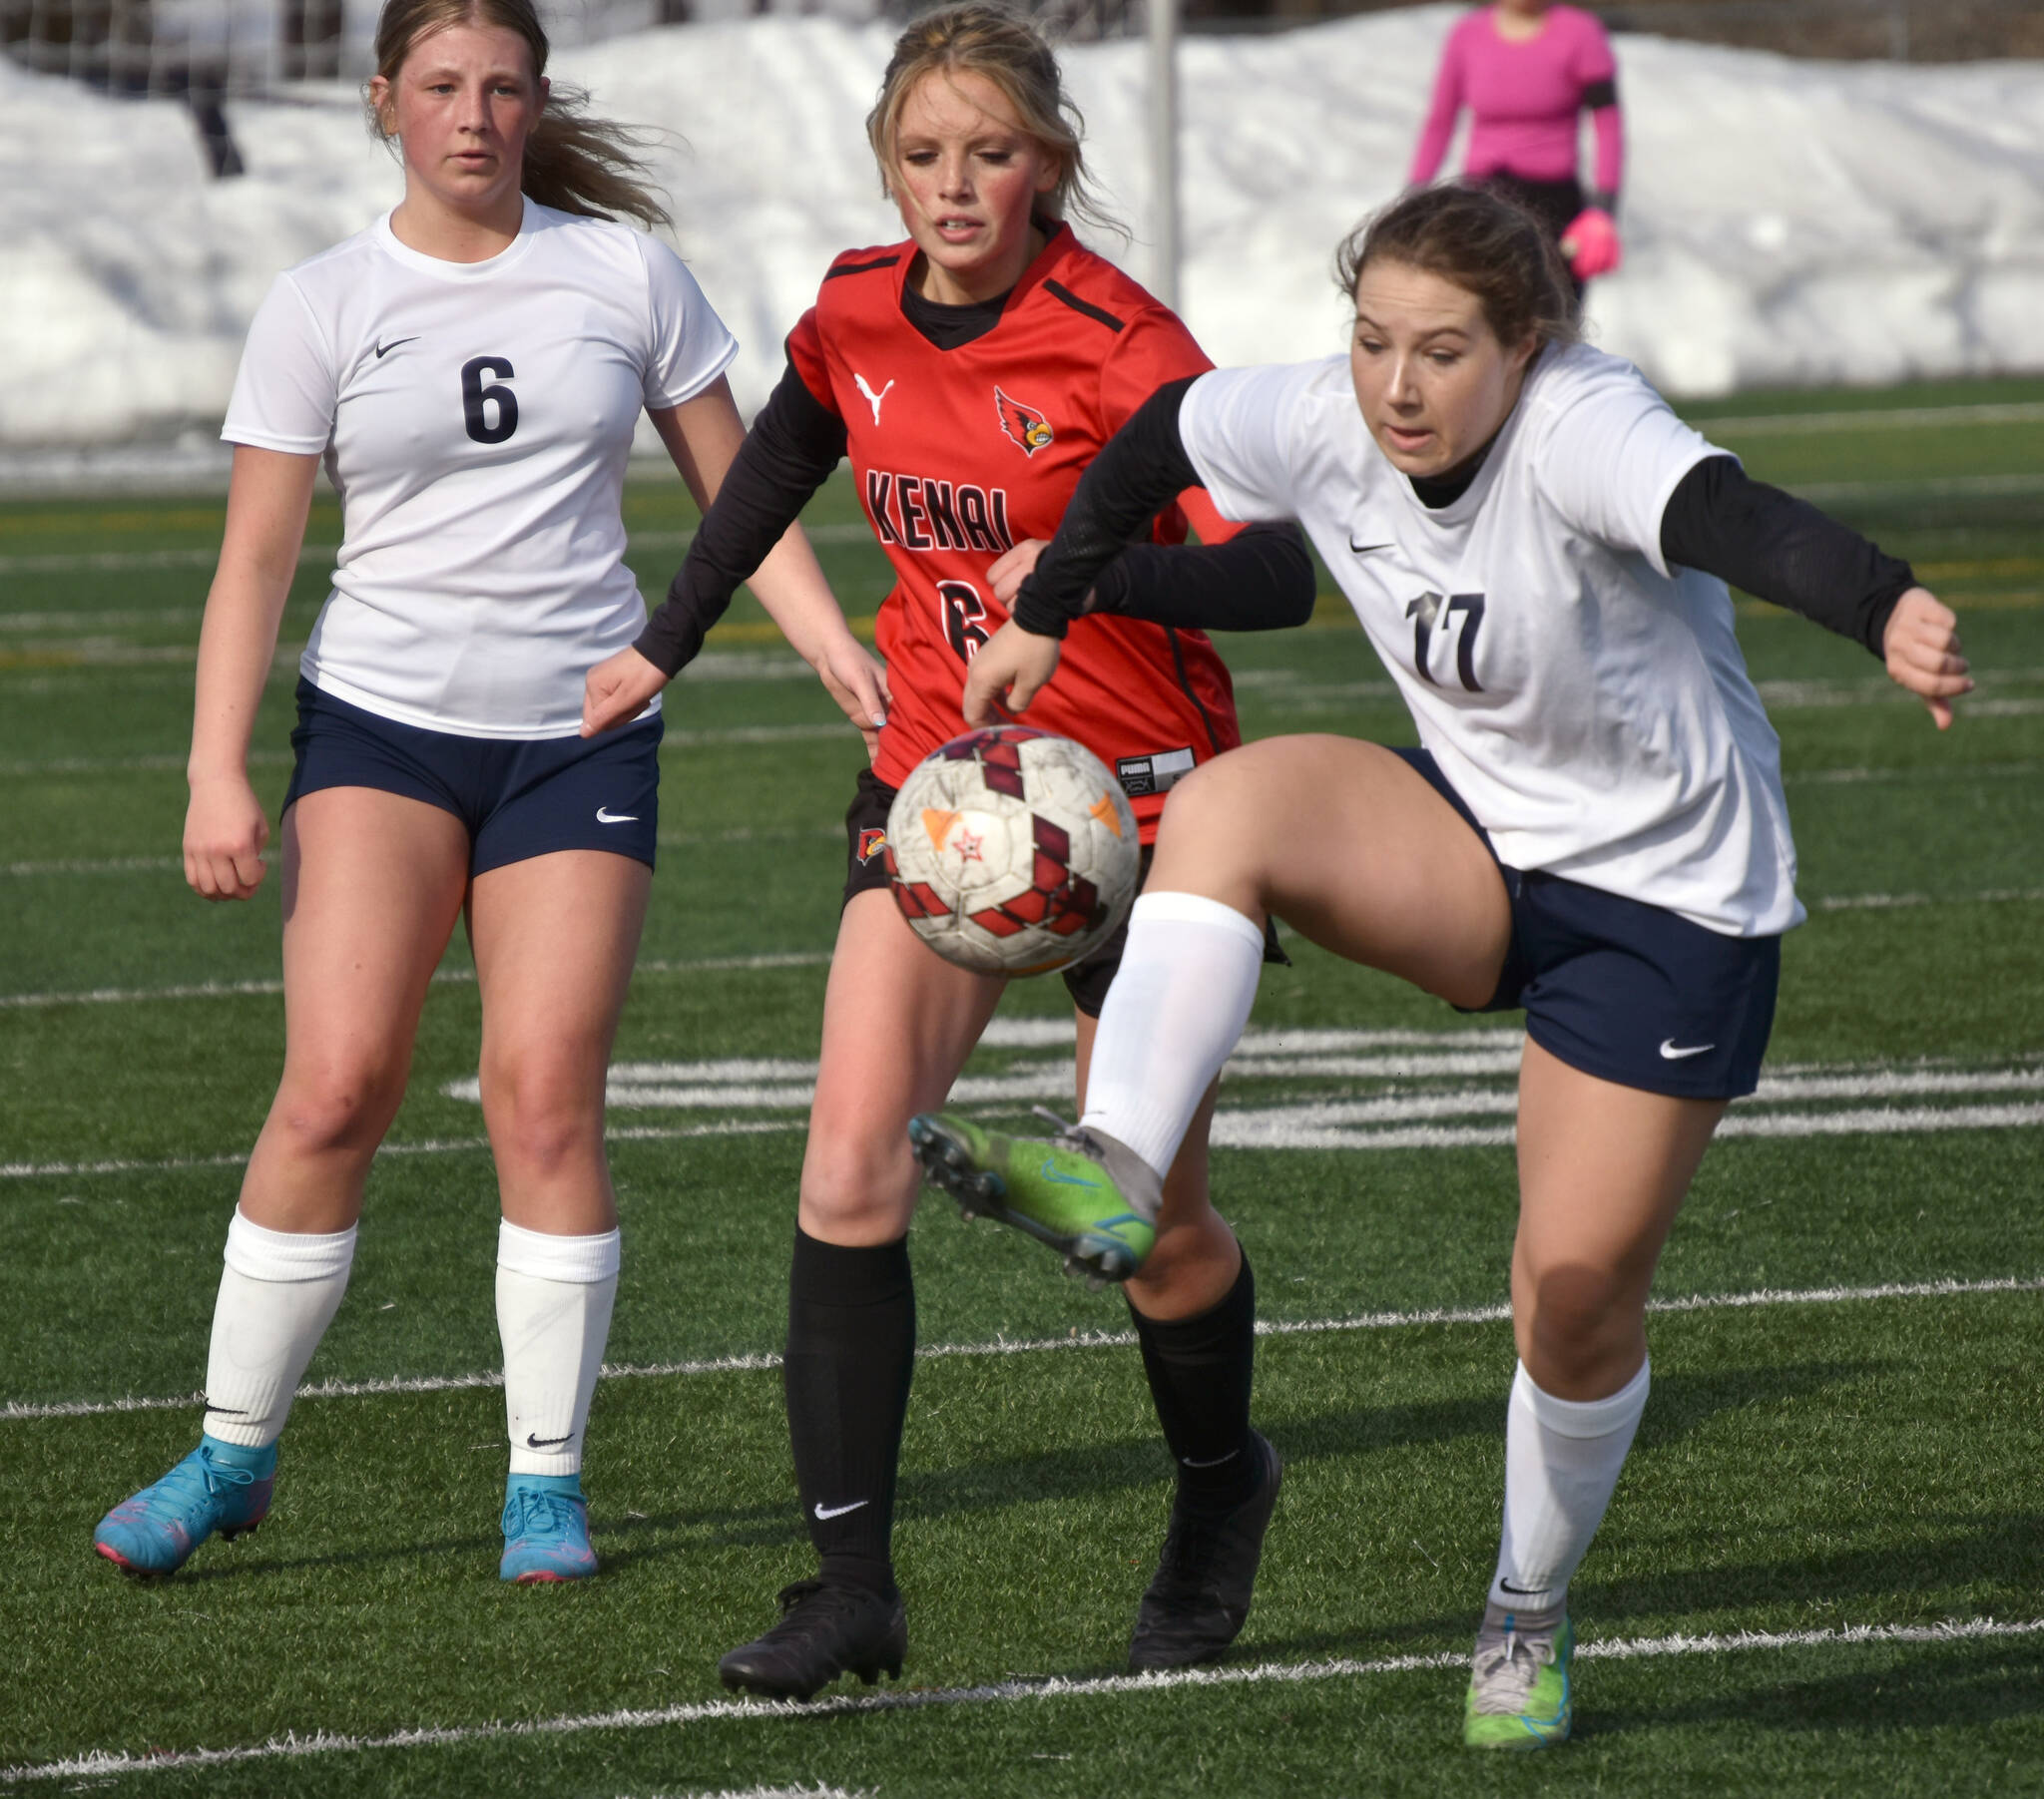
x=338, y=267
x=1571, y=375
x=872, y=268
x=580, y=239
x=1576, y=22
x=1083, y=284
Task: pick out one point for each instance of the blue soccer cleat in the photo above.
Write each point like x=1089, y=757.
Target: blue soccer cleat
x=546, y=1530
x=220, y=1486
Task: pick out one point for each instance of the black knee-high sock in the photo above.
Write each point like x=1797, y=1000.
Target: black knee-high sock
x=851, y=1352
x=1199, y=1371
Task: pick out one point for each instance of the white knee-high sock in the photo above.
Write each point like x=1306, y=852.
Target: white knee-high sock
x=277, y=1294
x=1562, y=1460
x=553, y=1300
x=1179, y=1001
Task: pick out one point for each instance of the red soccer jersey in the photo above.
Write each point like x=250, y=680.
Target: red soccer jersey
x=961, y=453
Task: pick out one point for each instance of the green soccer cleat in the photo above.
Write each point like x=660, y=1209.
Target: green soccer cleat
x=1060, y=1192
x=1519, y=1694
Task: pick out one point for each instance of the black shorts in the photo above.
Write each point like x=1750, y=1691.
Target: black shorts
x=518, y=797
x=865, y=833
x=1625, y=991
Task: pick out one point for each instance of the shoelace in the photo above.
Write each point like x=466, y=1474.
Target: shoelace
x=809, y=1603
x=1506, y=1668
x=539, y=1514
x=1075, y=1138
x=199, y=1478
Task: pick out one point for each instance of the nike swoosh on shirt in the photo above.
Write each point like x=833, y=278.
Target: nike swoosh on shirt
x=384, y=349
x=606, y=818
x=1668, y=1053
x=824, y=1511
x=1364, y=549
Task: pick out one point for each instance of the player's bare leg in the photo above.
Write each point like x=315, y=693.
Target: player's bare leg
x=899, y=1024
x=553, y=938
x=372, y=885
x=1603, y=1169
x=1341, y=840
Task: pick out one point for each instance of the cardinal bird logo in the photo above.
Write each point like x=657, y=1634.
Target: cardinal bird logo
x=1024, y=424
x=871, y=843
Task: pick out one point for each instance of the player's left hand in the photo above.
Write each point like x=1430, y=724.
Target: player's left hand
x=616, y=691
x=1922, y=643
x=858, y=681
x=1007, y=672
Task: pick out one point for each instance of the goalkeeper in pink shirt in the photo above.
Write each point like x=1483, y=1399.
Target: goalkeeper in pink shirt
x=1526, y=70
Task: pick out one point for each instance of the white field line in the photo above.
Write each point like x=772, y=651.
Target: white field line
x=1929, y=487
x=1911, y=418
x=446, y=977
x=1270, y=1674
x=1333, y=1127
x=1329, y=1127
x=16, y=1411
x=1880, y=902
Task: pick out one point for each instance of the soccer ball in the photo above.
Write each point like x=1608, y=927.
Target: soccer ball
x=1012, y=851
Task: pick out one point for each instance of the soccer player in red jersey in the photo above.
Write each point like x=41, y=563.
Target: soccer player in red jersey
x=970, y=373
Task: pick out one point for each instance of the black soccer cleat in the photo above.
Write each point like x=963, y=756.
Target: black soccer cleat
x=1200, y=1599
x=825, y=1630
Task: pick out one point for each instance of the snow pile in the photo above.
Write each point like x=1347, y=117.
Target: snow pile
x=1786, y=222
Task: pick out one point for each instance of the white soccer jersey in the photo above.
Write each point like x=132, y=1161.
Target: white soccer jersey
x=475, y=418
x=1588, y=702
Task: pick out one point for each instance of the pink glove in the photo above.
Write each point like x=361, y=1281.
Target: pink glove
x=1591, y=243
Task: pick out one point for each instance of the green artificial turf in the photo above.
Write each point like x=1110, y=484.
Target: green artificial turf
x=1843, y=1459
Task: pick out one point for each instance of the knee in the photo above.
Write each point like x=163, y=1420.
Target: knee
x=336, y=1108
x=855, y=1185
x=541, y=1115
x=1582, y=1329
x=1190, y=1270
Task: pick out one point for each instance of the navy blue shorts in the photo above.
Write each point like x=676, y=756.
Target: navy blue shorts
x=519, y=797
x=1625, y=991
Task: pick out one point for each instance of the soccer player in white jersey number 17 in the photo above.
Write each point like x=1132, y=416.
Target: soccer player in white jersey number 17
x=471, y=369
x=1593, y=831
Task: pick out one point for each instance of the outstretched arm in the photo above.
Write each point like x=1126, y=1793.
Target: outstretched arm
x=752, y=487
x=1261, y=579
x=1783, y=550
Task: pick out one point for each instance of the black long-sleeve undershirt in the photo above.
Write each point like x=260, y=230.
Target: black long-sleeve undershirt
x=1261, y=579
x=1717, y=520
x=790, y=452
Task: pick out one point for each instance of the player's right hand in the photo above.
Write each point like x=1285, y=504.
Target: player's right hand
x=225, y=833
x=1006, y=672
x=617, y=690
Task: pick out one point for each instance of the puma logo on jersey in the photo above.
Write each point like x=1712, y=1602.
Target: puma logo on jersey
x=873, y=399
x=1024, y=424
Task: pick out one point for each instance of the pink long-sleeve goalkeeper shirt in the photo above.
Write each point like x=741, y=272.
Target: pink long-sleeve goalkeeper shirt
x=1524, y=98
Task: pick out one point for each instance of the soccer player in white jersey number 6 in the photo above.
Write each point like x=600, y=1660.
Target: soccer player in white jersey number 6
x=1594, y=830
x=471, y=367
